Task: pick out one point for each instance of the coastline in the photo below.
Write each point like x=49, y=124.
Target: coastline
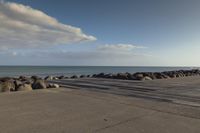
x=24, y=83
x=43, y=71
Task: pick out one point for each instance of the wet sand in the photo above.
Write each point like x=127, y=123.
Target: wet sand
x=105, y=106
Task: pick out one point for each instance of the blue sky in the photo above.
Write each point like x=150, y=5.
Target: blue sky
x=122, y=33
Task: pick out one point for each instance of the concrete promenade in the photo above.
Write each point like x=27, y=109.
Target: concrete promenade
x=105, y=106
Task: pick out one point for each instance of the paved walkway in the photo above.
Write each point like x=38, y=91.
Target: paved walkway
x=86, y=110
x=180, y=91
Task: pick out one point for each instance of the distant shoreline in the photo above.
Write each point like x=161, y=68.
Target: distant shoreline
x=119, y=75
x=15, y=71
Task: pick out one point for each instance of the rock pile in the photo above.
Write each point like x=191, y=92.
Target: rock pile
x=149, y=75
x=135, y=76
x=23, y=83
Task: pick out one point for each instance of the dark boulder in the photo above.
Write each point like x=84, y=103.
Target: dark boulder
x=130, y=76
x=61, y=77
x=100, y=75
x=109, y=75
x=196, y=71
x=114, y=76
x=172, y=75
x=138, y=76
x=74, y=77
x=39, y=84
x=22, y=78
x=123, y=76
x=180, y=73
x=83, y=76
x=94, y=75
x=158, y=75
x=164, y=76
x=149, y=74
x=35, y=78
x=66, y=77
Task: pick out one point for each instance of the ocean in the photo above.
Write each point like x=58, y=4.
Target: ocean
x=13, y=71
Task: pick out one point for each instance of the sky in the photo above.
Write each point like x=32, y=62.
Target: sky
x=100, y=32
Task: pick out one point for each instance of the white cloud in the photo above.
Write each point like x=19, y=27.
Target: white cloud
x=23, y=26
x=119, y=47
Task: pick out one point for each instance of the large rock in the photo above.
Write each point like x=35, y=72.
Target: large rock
x=114, y=76
x=49, y=78
x=61, y=77
x=28, y=81
x=94, y=75
x=83, y=76
x=66, y=77
x=166, y=75
x=17, y=83
x=158, y=75
x=55, y=78
x=4, y=79
x=109, y=75
x=146, y=78
x=100, y=75
x=35, y=78
x=53, y=86
x=25, y=87
x=7, y=86
x=138, y=76
x=123, y=76
x=23, y=78
x=149, y=74
x=74, y=77
x=171, y=74
x=196, y=71
x=39, y=84
x=130, y=76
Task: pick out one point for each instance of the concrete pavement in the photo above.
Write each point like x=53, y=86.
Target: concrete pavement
x=68, y=110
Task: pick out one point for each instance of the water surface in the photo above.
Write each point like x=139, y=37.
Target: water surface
x=78, y=70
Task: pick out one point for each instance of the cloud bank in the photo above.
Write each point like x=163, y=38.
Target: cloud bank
x=119, y=47
x=110, y=55
x=24, y=27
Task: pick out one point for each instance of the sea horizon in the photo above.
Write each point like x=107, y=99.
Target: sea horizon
x=81, y=70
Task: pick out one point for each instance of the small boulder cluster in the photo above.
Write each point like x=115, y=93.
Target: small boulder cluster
x=23, y=83
x=66, y=77
x=149, y=75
